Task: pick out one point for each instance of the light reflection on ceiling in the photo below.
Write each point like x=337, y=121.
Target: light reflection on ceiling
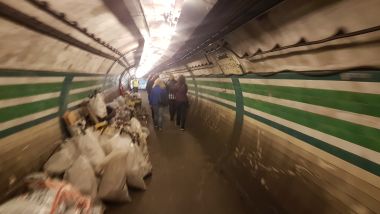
x=161, y=17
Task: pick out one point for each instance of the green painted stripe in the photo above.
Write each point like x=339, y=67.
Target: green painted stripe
x=349, y=101
x=361, y=76
x=226, y=96
x=217, y=102
x=342, y=154
x=26, y=125
x=226, y=85
x=190, y=81
x=360, y=135
x=13, y=112
x=82, y=84
x=31, y=73
x=75, y=97
x=24, y=90
x=347, y=156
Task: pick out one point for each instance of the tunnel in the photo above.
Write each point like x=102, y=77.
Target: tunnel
x=283, y=108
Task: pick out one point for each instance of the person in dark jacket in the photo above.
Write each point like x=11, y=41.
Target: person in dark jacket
x=150, y=82
x=158, y=99
x=181, y=101
x=171, y=84
x=149, y=86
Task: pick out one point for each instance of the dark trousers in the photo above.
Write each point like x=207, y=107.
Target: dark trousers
x=172, y=109
x=181, y=114
x=151, y=108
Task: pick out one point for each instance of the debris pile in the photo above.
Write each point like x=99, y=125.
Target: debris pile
x=106, y=154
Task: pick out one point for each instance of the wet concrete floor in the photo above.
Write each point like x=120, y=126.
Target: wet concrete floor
x=184, y=179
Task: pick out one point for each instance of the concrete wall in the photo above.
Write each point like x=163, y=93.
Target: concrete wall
x=294, y=143
x=41, y=76
x=31, y=105
x=296, y=129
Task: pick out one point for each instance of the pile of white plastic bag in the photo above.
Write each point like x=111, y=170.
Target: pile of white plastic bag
x=103, y=167
x=51, y=196
x=88, y=169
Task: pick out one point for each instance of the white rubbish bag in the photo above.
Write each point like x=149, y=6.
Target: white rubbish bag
x=38, y=202
x=143, y=144
x=121, y=101
x=61, y=160
x=145, y=131
x=113, y=185
x=135, y=126
x=104, y=142
x=82, y=176
x=51, y=196
x=89, y=147
x=98, y=106
x=136, y=168
x=112, y=146
x=120, y=143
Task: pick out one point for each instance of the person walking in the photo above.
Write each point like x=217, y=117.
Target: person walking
x=171, y=84
x=149, y=86
x=158, y=99
x=182, y=102
x=150, y=82
x=135, y=85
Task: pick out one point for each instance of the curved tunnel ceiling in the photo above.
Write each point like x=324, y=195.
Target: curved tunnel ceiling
x=204, y=22
x=88, y=36
x=85, y=36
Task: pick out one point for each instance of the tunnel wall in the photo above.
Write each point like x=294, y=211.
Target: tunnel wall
x=293, y=143
x=53, y=54
x=288, y=106
x=31, y=105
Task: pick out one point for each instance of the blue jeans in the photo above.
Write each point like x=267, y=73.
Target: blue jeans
x=157, y=119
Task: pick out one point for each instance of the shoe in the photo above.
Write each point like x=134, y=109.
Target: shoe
x=182, y=129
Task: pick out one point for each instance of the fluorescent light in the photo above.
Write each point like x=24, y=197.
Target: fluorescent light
x=165, y=13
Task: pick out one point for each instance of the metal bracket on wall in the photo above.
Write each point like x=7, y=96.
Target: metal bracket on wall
x=195, y=82
x=64, y=92
x=32, y=23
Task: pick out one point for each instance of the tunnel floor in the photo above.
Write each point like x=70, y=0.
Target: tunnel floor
x=184, y=179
